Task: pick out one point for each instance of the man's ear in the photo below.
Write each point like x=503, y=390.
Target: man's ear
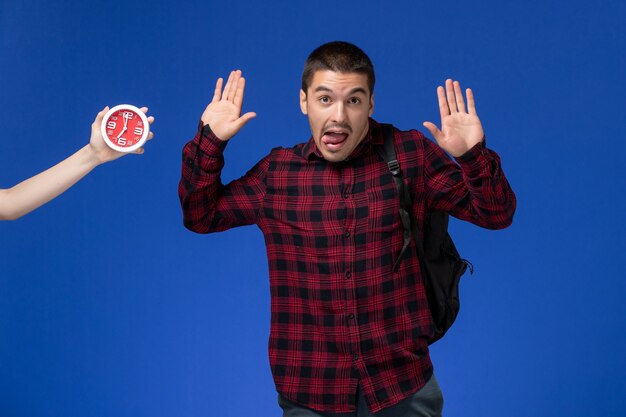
x=371, y=105
x=303, y=105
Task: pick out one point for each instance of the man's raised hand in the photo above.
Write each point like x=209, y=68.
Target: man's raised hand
x=460, y=129
x=223, y=114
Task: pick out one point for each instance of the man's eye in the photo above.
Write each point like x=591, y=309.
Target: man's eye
x=324, y=100
x=354, y=100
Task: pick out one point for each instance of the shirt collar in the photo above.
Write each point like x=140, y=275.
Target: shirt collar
x=374, y=136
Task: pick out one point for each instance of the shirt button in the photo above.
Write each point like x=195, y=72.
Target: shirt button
x=347, y=234
x=346, y=196
x=351, y=316
x=355, y=356
x=348, y=274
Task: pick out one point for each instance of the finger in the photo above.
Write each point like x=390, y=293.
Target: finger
x=228, y=84
x=234, y=85
x=471, y=105
x=450, y=96
x=145, y=111
x=101, y=114
x=433, y=129
x=150, y=135
x=138, y=151
x=238, y=99
x=444, y=110
x=245, y=119
x=217, y=94
x=98, y=120
x=460, y=104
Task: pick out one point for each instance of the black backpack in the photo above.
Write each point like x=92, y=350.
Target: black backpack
x=441, y=265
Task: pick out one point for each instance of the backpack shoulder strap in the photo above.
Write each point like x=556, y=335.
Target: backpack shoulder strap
x=388, y=153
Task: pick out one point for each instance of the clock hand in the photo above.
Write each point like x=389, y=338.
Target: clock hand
x=125, y=116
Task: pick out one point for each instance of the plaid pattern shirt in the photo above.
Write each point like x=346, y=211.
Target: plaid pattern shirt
x=341, y=318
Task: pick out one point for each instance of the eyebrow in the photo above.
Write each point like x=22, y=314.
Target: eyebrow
x=353, y=91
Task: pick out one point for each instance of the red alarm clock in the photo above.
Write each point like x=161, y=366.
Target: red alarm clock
x=125, y=128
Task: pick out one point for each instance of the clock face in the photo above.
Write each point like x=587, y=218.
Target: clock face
x=125, y=128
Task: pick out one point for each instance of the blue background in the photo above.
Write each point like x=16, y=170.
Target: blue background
x=109, y=307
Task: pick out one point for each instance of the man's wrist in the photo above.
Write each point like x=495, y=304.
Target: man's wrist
x=206, y=130
x=472, y=152
x=209, y=143
x=474, y=159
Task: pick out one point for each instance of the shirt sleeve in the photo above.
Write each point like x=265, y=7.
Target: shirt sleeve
x=473, y=189
x=208, y=205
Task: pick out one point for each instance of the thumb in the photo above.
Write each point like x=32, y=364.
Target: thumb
x=241, y=122
x=98, y=120
x=102, y=112
x=433, y=129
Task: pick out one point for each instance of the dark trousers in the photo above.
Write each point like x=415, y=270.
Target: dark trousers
x=427, y=402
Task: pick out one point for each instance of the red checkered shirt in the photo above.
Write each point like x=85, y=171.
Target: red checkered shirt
x=341, y=318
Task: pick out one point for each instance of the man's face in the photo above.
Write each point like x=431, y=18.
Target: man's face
x=338, y=105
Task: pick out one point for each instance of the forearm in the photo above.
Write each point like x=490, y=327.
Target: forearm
x=208, y=205
x=475, y=190
x=38, y=190
x=493, y=201
x=200, y=181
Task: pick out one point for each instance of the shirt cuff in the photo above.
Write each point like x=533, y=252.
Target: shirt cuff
x=209, y=143
x=475, y=159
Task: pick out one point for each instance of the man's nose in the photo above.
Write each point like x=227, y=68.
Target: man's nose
x=340, y=112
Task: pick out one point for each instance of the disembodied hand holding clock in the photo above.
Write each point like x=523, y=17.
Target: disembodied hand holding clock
x=125, y=128
x=114, y=133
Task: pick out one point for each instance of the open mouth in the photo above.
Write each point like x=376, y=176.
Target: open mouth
x=334, y=140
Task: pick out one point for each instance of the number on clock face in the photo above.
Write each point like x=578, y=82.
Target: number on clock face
x=124, y=128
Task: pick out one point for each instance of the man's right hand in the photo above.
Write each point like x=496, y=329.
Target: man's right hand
x=223, y=113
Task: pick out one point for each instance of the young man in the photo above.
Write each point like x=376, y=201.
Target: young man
x=349, y=336
x=34, y=192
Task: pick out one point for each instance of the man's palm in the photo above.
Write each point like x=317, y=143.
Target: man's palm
x=460, y=129
x=223, y=113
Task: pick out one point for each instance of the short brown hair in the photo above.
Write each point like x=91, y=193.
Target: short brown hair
x=338, y=56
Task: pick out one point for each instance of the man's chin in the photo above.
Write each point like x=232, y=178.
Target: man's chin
x=336, y=156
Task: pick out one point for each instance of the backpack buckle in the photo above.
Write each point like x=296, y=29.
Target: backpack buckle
x=394, y=167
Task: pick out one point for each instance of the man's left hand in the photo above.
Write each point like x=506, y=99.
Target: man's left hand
x=460, y=128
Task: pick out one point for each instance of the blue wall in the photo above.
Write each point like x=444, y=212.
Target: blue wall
x=109, y=307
